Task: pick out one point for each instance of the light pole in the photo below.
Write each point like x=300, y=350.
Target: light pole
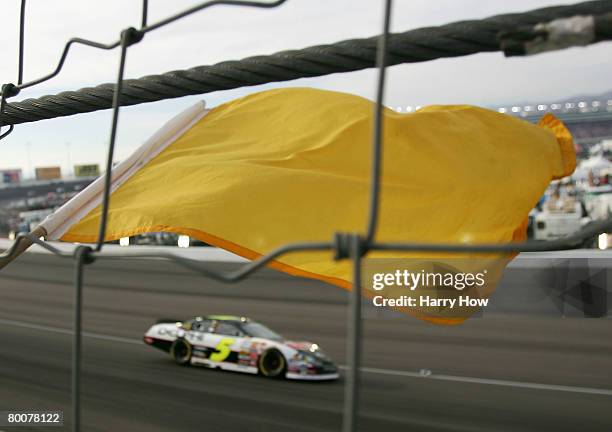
x=69, y=172
x=29, y=156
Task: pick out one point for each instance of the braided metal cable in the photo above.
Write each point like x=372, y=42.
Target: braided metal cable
x=419, y=45
x=603, y=24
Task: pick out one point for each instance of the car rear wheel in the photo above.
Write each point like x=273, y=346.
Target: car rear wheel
x=272, y=364
x=181, y=352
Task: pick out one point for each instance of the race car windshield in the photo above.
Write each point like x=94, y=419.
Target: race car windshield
x=258, y=330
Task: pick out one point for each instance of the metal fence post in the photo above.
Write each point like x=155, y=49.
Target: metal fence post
x=82, y=256
x=353, y=356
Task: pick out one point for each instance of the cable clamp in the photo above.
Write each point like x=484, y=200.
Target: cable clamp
x=344, y=245
x=84, y=254
x=132, y=36
x=9, y=90
x=555, y=35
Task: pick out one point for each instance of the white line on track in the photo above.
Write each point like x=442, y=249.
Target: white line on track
x=462, y=379
x=69, y=332
x=488, y=381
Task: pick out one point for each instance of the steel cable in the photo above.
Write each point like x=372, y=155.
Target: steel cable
x=419, y=45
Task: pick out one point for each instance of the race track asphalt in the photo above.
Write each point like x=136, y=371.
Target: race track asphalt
x=497, y=373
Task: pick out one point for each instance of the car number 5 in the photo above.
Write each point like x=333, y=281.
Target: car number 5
x=223, y=350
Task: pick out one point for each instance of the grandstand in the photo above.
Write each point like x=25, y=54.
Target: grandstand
x=589, y=118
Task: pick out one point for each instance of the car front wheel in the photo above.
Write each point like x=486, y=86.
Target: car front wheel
x=272, y=363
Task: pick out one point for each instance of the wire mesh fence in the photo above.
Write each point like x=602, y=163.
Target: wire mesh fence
x=511, y=36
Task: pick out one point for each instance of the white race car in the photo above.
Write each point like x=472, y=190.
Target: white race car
x=239, y=344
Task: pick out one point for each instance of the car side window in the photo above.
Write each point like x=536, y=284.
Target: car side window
x=228, y=329
x=203, y=326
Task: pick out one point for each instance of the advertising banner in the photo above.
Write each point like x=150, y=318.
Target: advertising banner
x=10, y=176
x=90, y=170
x=48, y=173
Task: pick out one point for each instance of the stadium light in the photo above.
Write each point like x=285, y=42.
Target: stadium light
x=183, y=241
x=603, y=241
x=501, y=110
x=124, y=241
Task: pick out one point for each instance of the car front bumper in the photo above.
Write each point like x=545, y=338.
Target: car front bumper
x=306, y=377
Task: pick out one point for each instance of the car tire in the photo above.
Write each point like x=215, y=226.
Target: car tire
x=181, y=351
x=272, y=364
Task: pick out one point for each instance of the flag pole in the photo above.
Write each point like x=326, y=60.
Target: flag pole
x=21, y=245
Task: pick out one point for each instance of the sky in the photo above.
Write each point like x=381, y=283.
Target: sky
x=229, y=33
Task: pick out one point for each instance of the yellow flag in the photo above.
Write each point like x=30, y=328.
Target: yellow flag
x=292, y=165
